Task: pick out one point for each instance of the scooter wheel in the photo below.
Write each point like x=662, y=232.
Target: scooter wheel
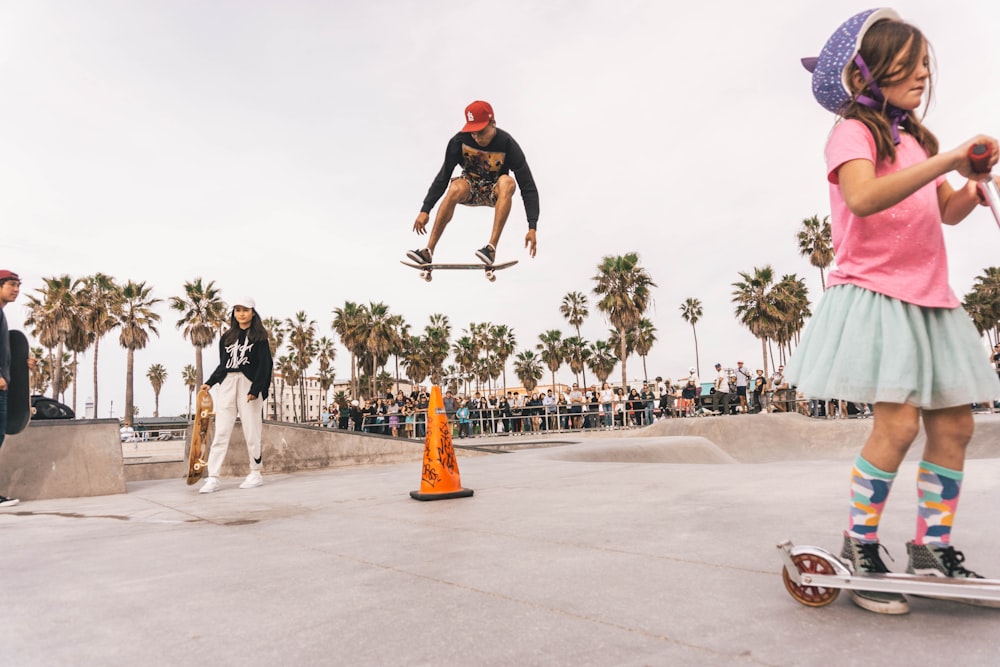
x=811, y=596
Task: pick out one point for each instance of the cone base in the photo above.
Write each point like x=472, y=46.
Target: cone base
x=461, y=493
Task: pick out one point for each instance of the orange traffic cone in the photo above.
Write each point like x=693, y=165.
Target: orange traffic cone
x=440, y=479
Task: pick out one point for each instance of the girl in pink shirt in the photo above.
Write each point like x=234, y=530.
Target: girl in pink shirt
x=889, y=330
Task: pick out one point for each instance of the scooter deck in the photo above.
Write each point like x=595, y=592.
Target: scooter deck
x=817, y=575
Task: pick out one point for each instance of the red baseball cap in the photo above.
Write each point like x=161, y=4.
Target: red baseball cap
x=8, y=275
x=477, y=116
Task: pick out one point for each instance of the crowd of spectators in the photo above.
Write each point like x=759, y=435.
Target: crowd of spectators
x=579, y=408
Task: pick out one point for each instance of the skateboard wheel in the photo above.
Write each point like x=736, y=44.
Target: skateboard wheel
x=490, y=276
x=811, y=596
x=426, y=275
x=197, y=467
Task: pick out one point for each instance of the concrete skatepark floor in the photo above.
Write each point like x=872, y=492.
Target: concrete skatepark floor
x=562, y=557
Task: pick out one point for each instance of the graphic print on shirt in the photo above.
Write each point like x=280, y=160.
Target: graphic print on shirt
x=482, y=164
x=239, y=354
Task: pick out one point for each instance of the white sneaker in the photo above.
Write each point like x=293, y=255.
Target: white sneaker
x=253, y=480
x=211, y=485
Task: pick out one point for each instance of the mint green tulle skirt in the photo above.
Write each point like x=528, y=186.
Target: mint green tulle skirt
x=869, y=348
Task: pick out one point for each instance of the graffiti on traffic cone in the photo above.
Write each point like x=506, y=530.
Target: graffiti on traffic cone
x=439, y=479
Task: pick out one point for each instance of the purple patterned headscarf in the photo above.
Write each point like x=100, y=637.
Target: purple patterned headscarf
x=829, y=70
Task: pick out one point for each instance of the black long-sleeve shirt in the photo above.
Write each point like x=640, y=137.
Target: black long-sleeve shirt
x=501, y=156
x=251, y=359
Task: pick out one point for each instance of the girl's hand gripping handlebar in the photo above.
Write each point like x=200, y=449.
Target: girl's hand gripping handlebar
x=980, y=155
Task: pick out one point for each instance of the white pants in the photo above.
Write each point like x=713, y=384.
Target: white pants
x=230, y=399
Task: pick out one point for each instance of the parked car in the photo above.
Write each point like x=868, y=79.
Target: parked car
x=43, y=407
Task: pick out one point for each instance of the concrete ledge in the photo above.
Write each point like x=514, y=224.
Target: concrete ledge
x=63, y=459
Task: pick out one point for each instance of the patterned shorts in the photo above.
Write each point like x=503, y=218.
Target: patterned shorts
x=482, y=191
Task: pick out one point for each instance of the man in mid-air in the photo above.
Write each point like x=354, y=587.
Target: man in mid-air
x=487, y=155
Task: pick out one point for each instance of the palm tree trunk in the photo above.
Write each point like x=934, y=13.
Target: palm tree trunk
x=76, y=377
x=97, y=342
x=130, y=359
x=697, y=358
x=156, y=403
x=763, y=347
x=199, y=371
x=57, y=372
x=621, y=345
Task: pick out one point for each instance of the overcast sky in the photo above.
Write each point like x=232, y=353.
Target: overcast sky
x=283, y=149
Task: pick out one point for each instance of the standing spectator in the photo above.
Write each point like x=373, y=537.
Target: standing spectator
x=759, y=383
x=648, y=403
x=463, y=420
x=575, y=406
x=607, y=400
x=721, y=385
x=743, y=379
x=778, y=389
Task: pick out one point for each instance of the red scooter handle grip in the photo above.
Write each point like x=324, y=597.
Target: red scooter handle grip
x=980, y=155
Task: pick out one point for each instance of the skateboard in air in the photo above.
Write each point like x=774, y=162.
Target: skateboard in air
x=19, y=388
x=815, y=577
x=198, y=456
x=490, y=269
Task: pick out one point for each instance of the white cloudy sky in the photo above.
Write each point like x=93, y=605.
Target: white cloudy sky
x=282, y=149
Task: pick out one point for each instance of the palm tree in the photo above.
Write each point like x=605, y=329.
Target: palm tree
x=301, y=339
x=691, y=312
x=602, y=359
x=136, y=320
x=381, y=334
x=40, y=376
x=203, y=312
x=644, y=335
x=983, y=304
x=288, y=366
x=326, y=352
x=53, y=315
x=576, y=351
x=624, y=286
x=77, y=341
x=791, y=299
x=755, y=307
x=574, y=309
x=275, y=339
x=502, y=342
x=157, y=375
x=816, y=242
x=416, y=359
x=189, y=375
x=551, y=348
x=465, y=356
x=100, y=298
x=528, y=369
x=346, y=323
x=438, y=337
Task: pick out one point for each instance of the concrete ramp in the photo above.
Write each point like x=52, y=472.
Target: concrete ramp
x=768, y=438
x=672, y=449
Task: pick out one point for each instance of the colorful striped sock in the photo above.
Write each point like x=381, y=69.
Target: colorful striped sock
x=938, y=489
x=869, y=490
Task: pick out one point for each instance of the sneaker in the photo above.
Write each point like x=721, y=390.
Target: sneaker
x=864, y=558
x=211, y=485
x=487, y=254
x=253, y=480
x=419, y=256
x=942, y=560
x=8, y=502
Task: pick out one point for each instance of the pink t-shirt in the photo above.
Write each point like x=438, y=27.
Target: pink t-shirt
x=900, y=251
